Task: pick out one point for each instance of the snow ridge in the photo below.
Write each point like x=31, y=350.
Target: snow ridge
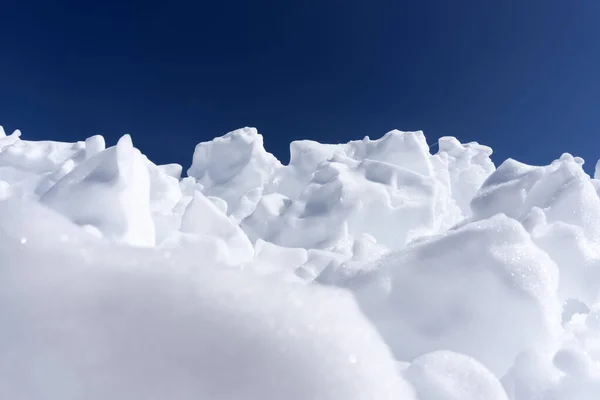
x=372, y=269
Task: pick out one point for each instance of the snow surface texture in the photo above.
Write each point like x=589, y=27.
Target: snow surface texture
x=367, y=270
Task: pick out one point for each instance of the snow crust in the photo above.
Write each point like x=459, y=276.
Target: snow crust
x=373, y=269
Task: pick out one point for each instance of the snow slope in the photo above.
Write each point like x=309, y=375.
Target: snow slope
x=367, y=270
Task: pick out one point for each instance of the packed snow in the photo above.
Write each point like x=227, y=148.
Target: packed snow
x=374, y=269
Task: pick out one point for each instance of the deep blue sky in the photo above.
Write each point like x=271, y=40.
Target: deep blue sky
x=522, y=76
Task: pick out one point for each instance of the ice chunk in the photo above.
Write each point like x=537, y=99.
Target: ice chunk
x=505, y=191
x=110, y=191
x=165, y=195
x=563, y=190
x=316, y=220
x=395, y=205
x=390, y=188
x=30, y=168
x=559, y=205
x=172, y=170
x=94, y=145
x=407, y=150
x=232, y=165
x=202, y=217
x=468, y=165
x=263, y=222
x=306, y=157
x=164, y=189
x=346, y=198
x=10, y=139
x=38, y=157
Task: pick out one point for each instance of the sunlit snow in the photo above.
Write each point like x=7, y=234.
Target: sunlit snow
x=369, y=270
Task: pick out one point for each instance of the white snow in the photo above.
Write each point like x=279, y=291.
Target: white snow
x=367, y=270
x=444, y=375
x=110, y=191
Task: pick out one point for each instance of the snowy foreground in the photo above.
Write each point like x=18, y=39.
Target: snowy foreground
x=369, y=270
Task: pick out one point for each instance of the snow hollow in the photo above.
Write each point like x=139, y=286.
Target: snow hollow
x=369, y=270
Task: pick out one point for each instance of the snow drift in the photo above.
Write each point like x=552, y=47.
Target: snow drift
x=367, y=270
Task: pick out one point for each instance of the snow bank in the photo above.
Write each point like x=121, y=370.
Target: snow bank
x=464, y=291
x=120, y=323
x=367, y=270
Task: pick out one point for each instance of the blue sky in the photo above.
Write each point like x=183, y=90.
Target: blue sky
x=520, y=76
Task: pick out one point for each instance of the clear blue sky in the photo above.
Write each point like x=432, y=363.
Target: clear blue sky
x=522, y=76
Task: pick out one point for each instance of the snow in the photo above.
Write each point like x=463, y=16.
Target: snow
x=202, y=217
x=234, y=167
x=444, y=375
x=125, y=324
x=463, y=290
x=373, y=269
x=110, y=192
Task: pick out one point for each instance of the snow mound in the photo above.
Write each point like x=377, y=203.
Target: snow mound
x=119, y=325
x=372, y=269
x=444, y=375
x=559, y=206
x=464, y=290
